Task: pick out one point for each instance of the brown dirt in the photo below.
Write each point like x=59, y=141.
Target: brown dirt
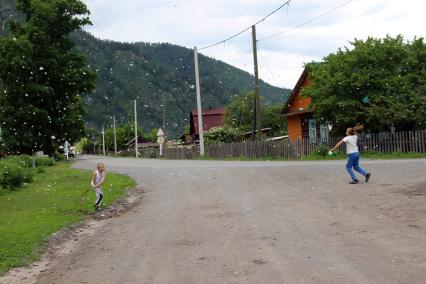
x=256, y=222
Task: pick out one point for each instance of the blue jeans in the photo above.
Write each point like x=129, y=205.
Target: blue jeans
x=353, y=162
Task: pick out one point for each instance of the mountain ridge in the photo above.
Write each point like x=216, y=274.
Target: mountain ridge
x=153, y=74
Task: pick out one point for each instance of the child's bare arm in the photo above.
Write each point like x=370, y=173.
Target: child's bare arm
x=337, y=145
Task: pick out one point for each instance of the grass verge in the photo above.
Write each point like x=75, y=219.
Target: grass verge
x=55, y=199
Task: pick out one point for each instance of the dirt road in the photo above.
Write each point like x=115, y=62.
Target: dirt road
x=258, y=222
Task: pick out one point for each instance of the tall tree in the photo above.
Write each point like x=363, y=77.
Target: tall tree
x=43, y=76
x=239, y=115
x=377, y=82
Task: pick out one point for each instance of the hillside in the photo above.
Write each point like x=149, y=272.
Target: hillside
x=151, y=72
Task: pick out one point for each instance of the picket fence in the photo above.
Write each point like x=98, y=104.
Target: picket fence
x=403, y=142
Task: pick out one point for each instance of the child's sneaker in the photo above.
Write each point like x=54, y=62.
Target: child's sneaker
x=367, y=177
x=355, y=181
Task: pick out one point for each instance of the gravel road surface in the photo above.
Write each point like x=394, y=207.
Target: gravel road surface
x=257, y=222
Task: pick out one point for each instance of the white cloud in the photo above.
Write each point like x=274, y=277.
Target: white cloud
x=199, y=23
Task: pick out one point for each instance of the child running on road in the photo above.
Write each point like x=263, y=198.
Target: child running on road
x=98, y=178
x=353, y=154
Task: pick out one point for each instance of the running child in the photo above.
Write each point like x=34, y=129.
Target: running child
x=353, y=154
x=98, y=178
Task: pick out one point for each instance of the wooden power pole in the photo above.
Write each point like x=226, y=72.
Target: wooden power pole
x=256, y=101
x=199, y=109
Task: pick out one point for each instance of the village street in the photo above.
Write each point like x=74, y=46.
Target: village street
x=257, y=222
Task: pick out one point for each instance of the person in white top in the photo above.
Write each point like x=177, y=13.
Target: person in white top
x=353, y=154
x=98, y=178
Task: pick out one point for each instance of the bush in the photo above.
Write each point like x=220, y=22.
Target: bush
x=28, y=175
x=322, y=151
x=11, y=175
x=40, y=170
x=24, y=161
x=44, y=161
x=218, y=135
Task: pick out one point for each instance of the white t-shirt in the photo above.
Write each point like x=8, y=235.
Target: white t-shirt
x=351, y=146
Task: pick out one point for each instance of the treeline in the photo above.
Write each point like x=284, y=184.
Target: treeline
x=160, y=76
x=377, y=82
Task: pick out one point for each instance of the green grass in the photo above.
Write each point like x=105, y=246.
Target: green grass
x=55, y=199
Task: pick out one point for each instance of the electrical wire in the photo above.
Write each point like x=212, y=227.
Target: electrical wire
x=267, y=66
x=248, y=28
x=307, y=22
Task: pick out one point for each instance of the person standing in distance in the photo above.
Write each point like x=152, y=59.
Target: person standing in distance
x=353, y=154
x=98, y=178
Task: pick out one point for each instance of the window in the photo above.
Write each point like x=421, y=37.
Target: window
x=312, y=130
x=324, y=128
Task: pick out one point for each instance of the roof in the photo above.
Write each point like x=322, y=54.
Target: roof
x=299, y=111
x=251, y=132
x=141, y=140
x=295, y=90
x=194, y=111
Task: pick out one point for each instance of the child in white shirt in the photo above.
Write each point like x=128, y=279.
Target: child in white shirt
x=98, y=178
x=353, y=155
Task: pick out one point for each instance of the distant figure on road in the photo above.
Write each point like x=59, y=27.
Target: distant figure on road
x=353, y=154
x=98, y=178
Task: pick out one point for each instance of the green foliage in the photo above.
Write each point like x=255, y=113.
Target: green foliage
x=218, y=135
x=239, y=115
x=152, y=135
x=11, y=175
x=42, y=76
x=59, y=156
x=24, y=161
x=376, y=82
x=40, y=170
x=146, y=71
x=56, y=199
x=44, y=162
x=28, y=175
x=272, y=117
x=124, y=133
x=322, y=151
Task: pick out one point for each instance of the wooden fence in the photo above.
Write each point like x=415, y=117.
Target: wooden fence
x=403, y=142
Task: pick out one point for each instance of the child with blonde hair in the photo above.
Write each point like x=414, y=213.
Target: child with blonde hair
x=98, y=178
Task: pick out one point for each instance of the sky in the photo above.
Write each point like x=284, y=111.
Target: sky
x=281, y=58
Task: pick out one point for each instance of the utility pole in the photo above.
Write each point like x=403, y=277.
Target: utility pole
x=115, y=137
x=200, y=112
x=256, y=102
x=136, y=133
x=103, y=141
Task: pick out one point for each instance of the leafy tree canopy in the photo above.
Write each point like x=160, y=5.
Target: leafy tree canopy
x=42, y=76
x=239, y=115
x=377, y=82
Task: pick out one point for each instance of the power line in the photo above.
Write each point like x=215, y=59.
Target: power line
x=248, y=28
x=308, y=21
x=268, y=67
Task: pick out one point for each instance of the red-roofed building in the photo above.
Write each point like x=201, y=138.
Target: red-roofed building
x=211, y=118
